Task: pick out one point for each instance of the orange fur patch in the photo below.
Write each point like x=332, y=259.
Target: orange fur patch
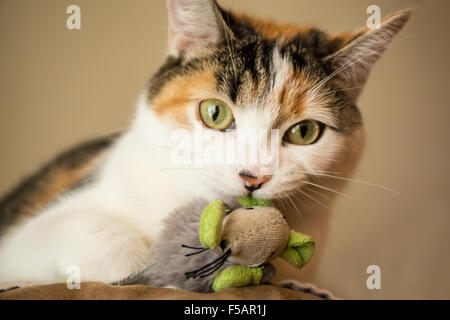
x=283, y=32
x=182, y=91
x=292, y=96
x=272, y=30
x=58, y=180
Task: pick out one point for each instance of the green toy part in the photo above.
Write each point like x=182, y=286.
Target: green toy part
x=249, y=201
x=237, y=276
x=211, y=224
x=299, y=250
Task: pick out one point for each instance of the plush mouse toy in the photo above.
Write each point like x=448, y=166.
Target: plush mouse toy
x=206, y=247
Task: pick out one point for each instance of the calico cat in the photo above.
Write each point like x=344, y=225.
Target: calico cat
x=101, y=205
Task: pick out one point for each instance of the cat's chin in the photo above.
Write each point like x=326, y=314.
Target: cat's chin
x=231, y=199
x=272, y=195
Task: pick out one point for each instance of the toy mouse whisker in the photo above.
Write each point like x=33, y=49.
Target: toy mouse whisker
x=191, y=247
x=214, y=267
x=218, y=260
x=197, y=252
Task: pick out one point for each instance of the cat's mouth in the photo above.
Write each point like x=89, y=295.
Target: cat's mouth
x=232, y=202
x=230, y=199
x=271, y=194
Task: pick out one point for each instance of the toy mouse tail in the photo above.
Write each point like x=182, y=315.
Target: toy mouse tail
x=140, y=277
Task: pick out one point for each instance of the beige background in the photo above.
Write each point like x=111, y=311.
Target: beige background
x=58, y=87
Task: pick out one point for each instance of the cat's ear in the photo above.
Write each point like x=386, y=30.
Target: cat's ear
x=194, y=25
x=351, y=64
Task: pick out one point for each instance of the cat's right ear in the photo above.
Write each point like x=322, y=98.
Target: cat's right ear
x=194, y=25
x=352, y=63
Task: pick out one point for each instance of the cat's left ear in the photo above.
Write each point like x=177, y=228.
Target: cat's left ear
x=352, y=63
x=195, y=25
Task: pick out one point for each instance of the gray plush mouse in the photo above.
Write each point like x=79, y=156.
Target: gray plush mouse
x=206, y=247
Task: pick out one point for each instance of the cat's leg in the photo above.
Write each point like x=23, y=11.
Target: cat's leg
x=101, y=246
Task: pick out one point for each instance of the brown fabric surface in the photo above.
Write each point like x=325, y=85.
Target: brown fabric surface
x=97, y=290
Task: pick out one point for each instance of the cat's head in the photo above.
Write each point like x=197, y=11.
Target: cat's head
x=228, y=73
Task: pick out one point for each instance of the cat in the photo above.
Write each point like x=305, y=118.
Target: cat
x=101, y=205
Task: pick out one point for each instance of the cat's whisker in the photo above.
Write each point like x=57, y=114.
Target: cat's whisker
x=314, y=199
x=281, y=205
x=200, y=167
x=146, y=173
x=284, y=206
x=322, y=194
x=368, y=183
x=343, y=67
x=295, y=207
x=173, y=148
x=287, y=195
x=323, y=171
x=328, y=93
x=142, y=174
x=341, y=194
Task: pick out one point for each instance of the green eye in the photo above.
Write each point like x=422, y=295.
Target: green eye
x=304, y=133
x=216, y=114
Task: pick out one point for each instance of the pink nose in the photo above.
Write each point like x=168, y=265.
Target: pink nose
x=253, y=183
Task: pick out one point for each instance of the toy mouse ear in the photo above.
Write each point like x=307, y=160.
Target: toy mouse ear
x=211, y=224
x=299, y=250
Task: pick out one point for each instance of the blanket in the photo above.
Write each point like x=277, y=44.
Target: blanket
x=287, y=290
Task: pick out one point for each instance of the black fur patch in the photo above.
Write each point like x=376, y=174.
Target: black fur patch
x=14, y=204
x=247, y=62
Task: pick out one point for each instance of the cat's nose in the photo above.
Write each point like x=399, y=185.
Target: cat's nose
x=252, y=182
